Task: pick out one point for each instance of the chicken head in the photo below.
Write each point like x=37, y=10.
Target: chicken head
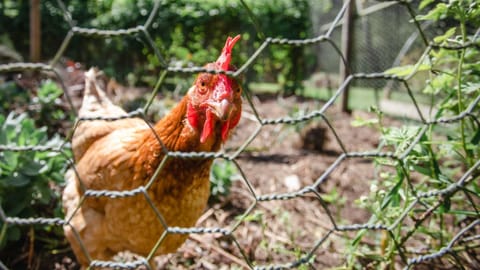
x=215, y=99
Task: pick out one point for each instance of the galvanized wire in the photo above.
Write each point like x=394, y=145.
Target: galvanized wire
x=421, y=197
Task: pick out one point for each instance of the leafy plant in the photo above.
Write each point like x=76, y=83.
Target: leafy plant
x=221, y=177
x=433, y=155
x=28, y=178
x=44, y=108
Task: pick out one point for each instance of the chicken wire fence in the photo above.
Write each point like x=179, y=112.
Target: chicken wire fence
x=466, y=238
x=378, y=42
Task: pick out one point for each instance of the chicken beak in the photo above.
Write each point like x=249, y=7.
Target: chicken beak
x=221, y=100
x=221, y=109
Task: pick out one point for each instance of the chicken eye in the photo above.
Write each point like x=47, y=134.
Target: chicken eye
x=202, y=89
x=202, y=85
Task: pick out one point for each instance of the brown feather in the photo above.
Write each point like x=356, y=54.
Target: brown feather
x=123, y=155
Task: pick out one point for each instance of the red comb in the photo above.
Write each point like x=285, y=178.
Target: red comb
x=224, y=60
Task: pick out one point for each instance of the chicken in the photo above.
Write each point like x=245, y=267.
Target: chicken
x=124, y=155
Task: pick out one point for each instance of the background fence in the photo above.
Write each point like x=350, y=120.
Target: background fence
x=430, y=222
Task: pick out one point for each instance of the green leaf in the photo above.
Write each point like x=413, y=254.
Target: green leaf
x=31, y=168
x=424, y=3
x=360, y=122
x=332, y=197
x=403, y=71
x=10, y=159
x=444, y=179
x=3, y=137
x=16, y=180
x=44, y=193
x=435, y=14
x=470, y=88
x=256, y=216
x=476, y=138
x=358, y=237
x=446, y=205
x=447, y=35
x=16, y=202
x=425, y=170
x=393, y=197
x=48, y=92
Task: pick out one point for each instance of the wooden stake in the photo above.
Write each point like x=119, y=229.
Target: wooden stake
x=35, y=30
x=347, y=39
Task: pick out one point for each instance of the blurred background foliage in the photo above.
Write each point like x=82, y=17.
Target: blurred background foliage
x=187, y=33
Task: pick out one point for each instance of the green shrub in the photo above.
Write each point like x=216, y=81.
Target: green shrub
x=44, y=106
x=29, y=180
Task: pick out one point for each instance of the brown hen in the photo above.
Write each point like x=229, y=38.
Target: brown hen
x=124, y=154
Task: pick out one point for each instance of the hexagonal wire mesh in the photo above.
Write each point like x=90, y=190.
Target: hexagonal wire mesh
x=311, y=190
